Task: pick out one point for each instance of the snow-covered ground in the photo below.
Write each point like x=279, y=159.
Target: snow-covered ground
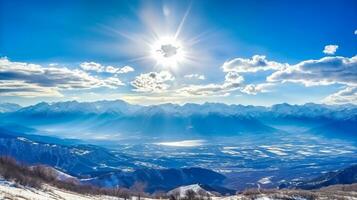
x=181, y=191
x=9, y=190
x=12, y=191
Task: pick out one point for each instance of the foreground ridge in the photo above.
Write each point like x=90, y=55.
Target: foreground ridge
x=10, y=190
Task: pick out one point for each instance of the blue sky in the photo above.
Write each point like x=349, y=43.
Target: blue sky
x=148, y=52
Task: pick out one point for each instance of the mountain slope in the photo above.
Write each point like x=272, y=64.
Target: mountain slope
x=9, y=190
x=343, y=176
x=98, y=166
x=74, y=159
x=9, y=107
x=343, y=128
x=158, y=179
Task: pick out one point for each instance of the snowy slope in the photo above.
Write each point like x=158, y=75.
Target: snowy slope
x=10, y=190
x=181, y=191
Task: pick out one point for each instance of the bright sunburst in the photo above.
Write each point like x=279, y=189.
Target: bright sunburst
x=168, y=51
x=162, y=40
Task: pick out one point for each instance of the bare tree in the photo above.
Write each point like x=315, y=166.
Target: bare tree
x=138, y=188
x=190, y=195
x=175, y=196
x=123, y=193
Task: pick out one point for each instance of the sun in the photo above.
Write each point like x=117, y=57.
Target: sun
x=168, y=52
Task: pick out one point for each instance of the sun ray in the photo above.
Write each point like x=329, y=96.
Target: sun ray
x=178, y=31
x=127, y=36
x=198, y=38
x=139, y=58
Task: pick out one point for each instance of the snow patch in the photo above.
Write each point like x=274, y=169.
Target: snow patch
x=265, y=180
x=183, y=143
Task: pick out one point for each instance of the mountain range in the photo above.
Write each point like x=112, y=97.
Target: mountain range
x=26, y=133
x=122, y=120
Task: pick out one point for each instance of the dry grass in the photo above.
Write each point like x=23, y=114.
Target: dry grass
x=36, y=176
x=337, y=192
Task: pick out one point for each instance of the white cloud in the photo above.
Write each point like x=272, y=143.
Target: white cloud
x=118, y=70
x=112, y=82
x=195, y=76
x=356, y=32
x=325, y=71
x=53, y=64
x=233, y=81
x=23, y=89
x=152, y=82
x=330, y=49
x=111, y=69
x=233, y=78
x=25, y=78
x=93, y=66
x=201, y=90
x=256, y=63
x=254, y=89
x=346, y=95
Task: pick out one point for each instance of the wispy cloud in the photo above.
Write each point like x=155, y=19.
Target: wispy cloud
x=233, y=81
x=346, y=95
x=93, y=66
x=195, y=76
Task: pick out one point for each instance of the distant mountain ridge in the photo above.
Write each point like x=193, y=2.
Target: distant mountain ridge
x=122, y=107
x=9, y=107
x=178, y=121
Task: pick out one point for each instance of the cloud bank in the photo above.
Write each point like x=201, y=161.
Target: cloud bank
x=325, y=71
x=25, y=79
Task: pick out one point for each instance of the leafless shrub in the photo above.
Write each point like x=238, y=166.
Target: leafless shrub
x=11, y=170
x=138, y=188
x=159, y=195
x=36, y=176
x=175, y=196
x=251, y=192
x=190, y=195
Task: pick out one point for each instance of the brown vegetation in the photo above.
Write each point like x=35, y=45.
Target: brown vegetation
x=191, y=195
x=337, y=192
x=39, y=175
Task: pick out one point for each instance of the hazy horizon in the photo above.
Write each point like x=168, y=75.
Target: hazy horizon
x=180, y=104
